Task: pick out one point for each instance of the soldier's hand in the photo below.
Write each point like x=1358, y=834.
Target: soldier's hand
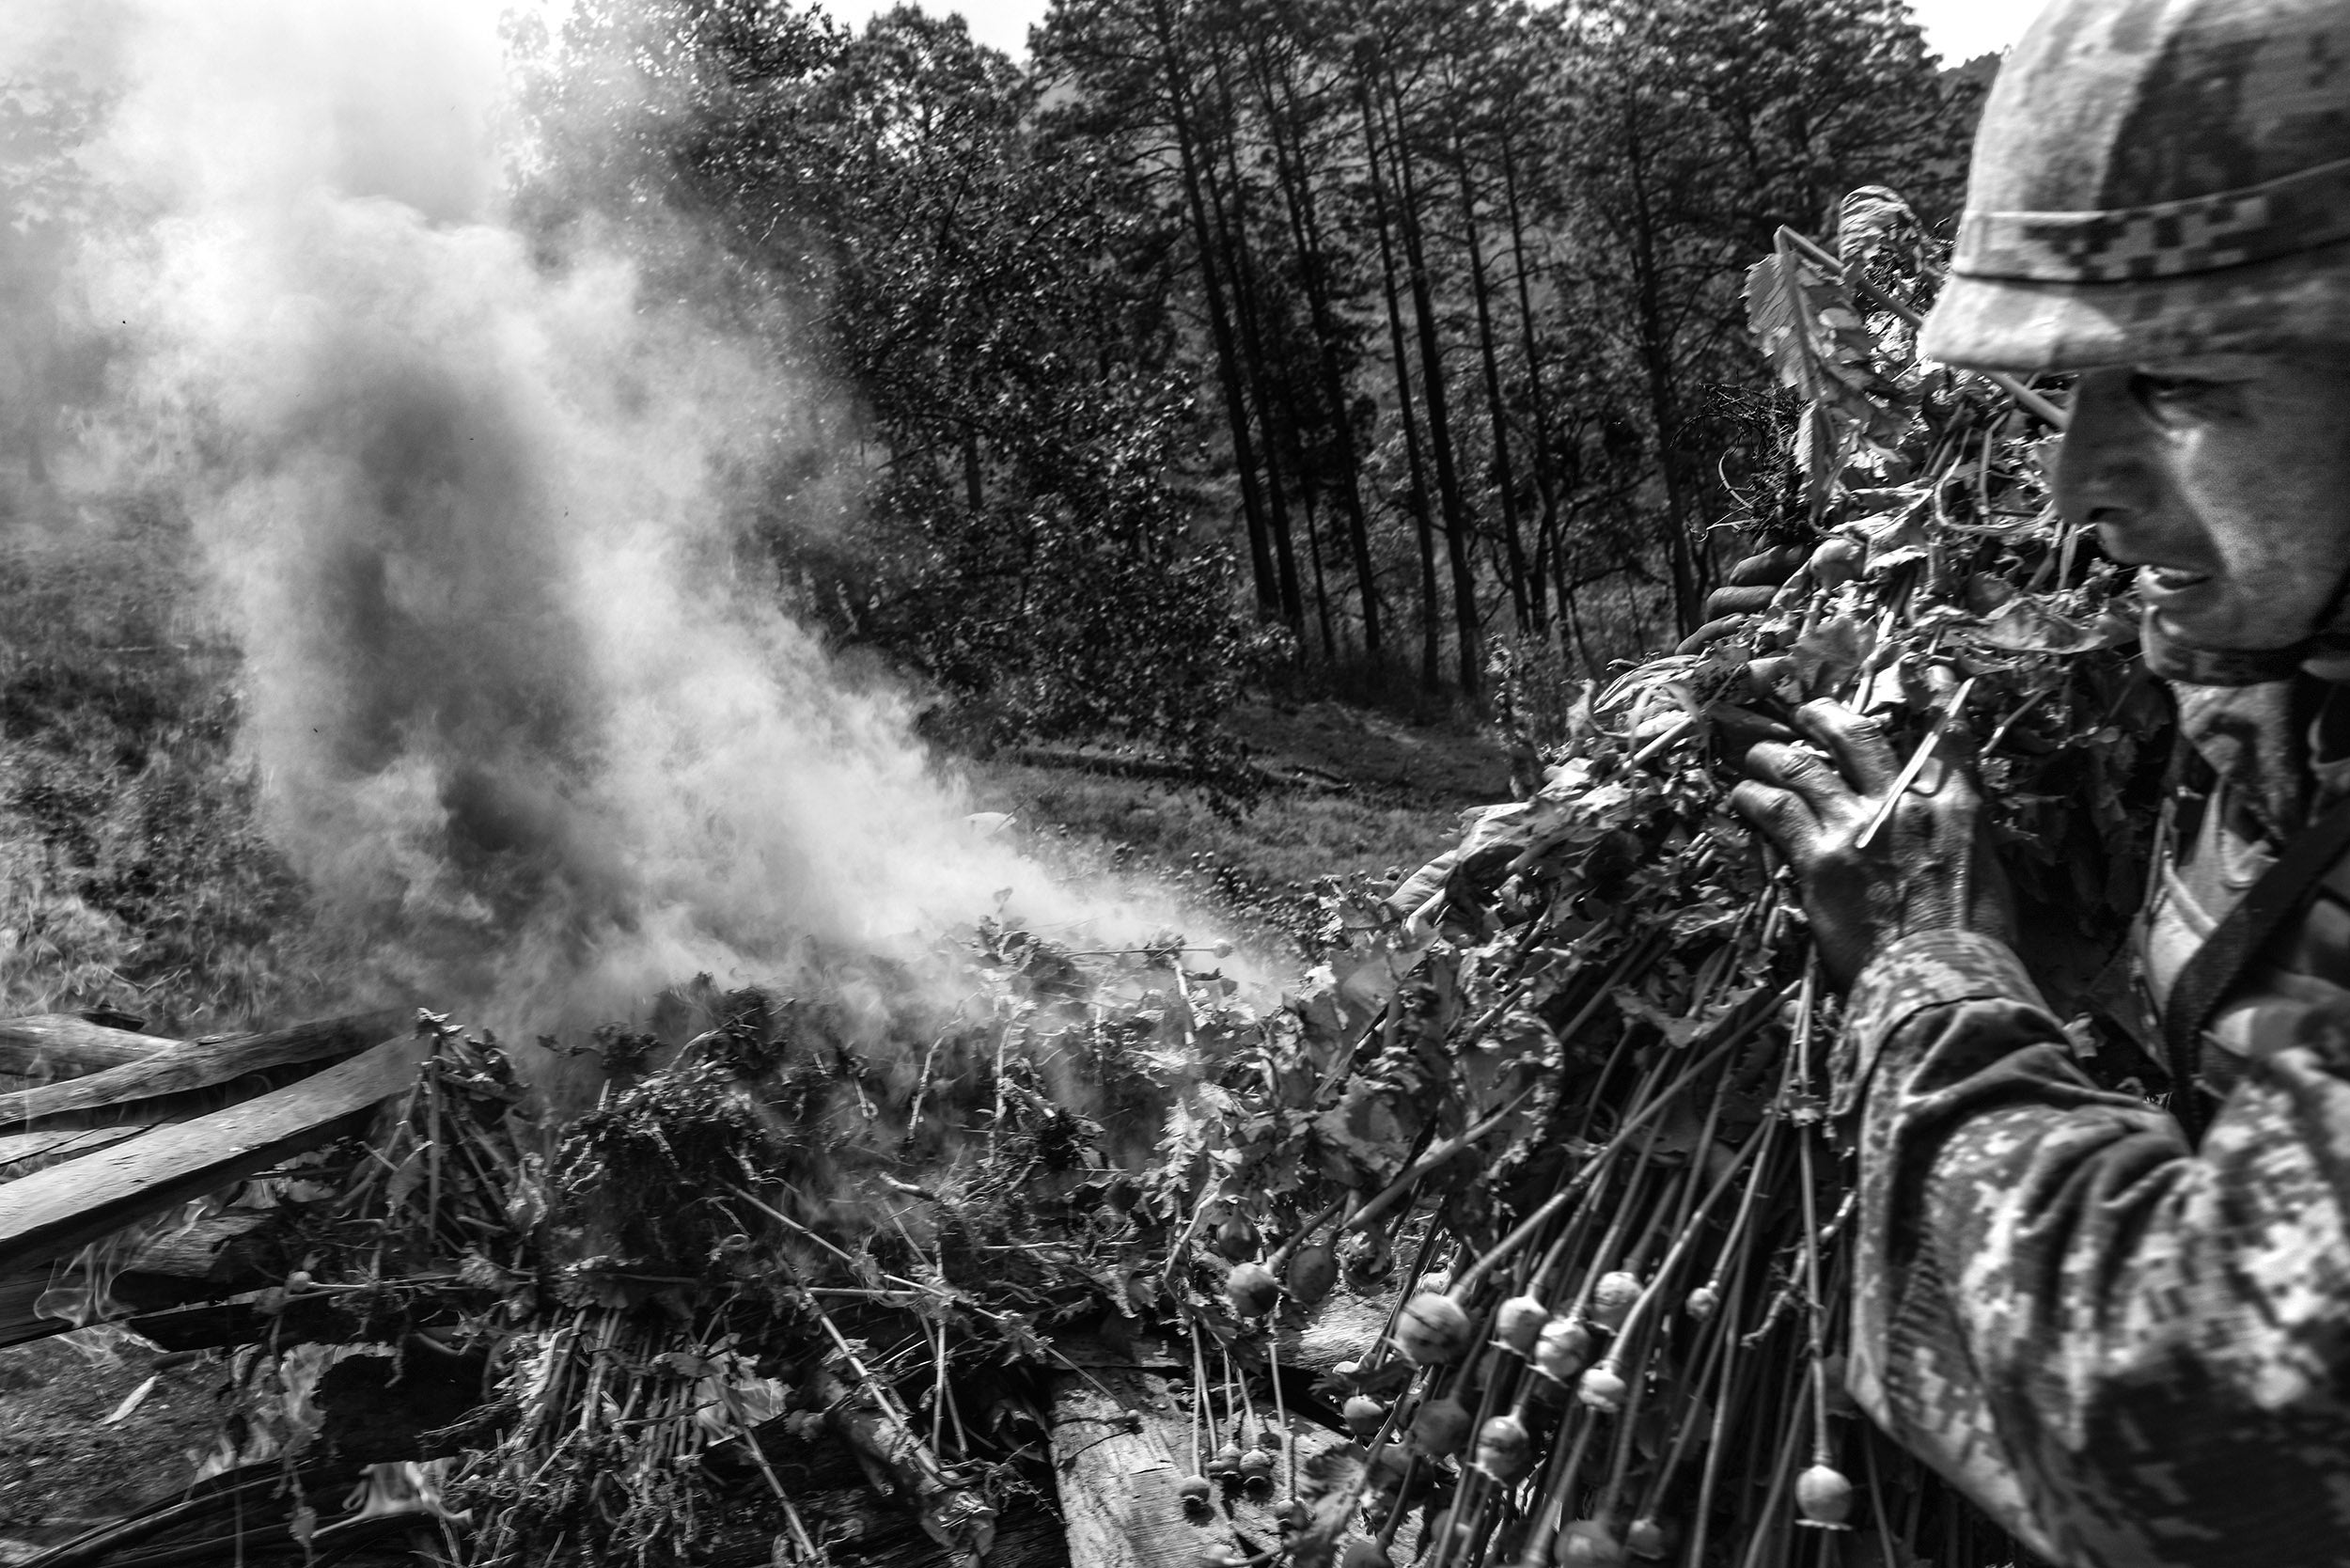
x=1927, y=867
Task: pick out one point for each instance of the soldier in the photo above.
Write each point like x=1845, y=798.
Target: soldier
x=2125, y=1333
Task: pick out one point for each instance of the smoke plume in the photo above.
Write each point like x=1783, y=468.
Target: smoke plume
x=520, y=710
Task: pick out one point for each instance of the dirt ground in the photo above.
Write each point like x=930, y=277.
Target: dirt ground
x=1452, y=765
x=64, y=1464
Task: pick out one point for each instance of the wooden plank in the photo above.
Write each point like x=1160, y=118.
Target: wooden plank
x=16, y=1148
x=165, y=1274
x=1117, y=1476
x=50, y=1045
x=199, y=1065
x=65, y=1207
x=122, y=1118
x=1122, y=1440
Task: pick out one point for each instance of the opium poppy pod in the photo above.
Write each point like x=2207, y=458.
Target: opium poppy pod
x=1588, y=1544
x=1518, y=1323
x=1504, y=1449
x=1314, y=1271
x=1433, y=1330
x=1603, y=1388
x=1252, y=1289
x=1563, y=1350
x=1824, y=1496
x=1442, y=1427
x=1613, y=1297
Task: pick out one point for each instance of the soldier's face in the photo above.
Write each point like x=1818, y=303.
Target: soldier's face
x=2226, y=480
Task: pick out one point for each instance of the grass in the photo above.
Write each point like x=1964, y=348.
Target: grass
x=132, y=874
x=1285, y=838
x=1257, y=869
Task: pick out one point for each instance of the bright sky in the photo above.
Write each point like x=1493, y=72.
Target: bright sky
x=1955, y=29
x=1959, y=30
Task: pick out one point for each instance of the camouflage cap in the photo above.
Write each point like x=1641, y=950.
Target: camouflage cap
x=2157, y=177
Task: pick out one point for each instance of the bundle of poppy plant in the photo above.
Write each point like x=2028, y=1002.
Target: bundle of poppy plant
x=1580, y=1068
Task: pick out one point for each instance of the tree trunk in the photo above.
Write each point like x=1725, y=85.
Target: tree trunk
x=1504, y=479
x=1234, y=233
x=1428, y=606
x=1305, y=231
x=1663, y=396
x=1322, y=589
x=1219, y=320
x=1545, y=487
x=1456, y=523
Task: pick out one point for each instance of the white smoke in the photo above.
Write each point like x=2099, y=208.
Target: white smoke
x=515, y=708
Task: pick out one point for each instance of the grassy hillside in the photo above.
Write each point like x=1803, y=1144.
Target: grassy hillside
x=1407, y=787
x=132, y=872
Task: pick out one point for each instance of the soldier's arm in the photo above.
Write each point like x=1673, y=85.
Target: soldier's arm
x=2124, y=1349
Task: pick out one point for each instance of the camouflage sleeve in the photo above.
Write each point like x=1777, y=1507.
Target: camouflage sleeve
x=2127, y=1351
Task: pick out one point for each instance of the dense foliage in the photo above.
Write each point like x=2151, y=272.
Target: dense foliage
x=1002, y=413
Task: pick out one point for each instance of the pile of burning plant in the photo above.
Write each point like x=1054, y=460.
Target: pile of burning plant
x=775, y=1231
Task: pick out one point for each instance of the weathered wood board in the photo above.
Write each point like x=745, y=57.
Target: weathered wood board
x=202, y=1064
x=62, y=1208
x=60, y=1045
x=1122, y=1440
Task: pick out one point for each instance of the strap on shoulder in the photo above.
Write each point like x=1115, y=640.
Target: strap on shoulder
x=2206, y=979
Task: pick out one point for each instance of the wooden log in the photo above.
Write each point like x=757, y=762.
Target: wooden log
x=52, y=1144
x=49, y=1045
x=199, y=1065
x=951, y=1511
x=164, y=1277
x=1122, y=1441
x=1117, y=1474
x=65, y=1207
x=1123, y=765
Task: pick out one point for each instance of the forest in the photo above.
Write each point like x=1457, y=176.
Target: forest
x=1358, y=345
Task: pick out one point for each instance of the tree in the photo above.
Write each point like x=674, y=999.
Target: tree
x=1024, y=533
x=1689, y=131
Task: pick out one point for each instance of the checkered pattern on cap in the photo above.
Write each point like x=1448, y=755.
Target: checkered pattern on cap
x=2172, y=239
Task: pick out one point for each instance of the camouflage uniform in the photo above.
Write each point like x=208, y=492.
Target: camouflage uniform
x=2128, y=1351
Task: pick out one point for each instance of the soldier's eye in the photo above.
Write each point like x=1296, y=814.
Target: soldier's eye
x=2178, y=397
x=2168, y=388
